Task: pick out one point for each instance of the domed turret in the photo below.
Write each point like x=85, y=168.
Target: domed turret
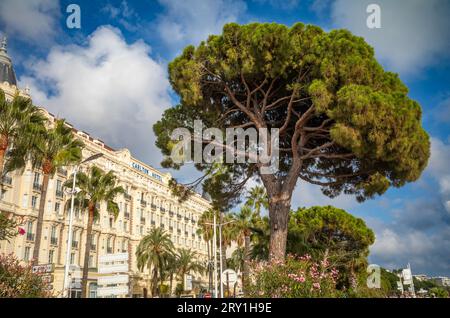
x=6, y=69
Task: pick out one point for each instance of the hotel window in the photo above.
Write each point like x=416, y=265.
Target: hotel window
x=26, y=255
x=33, y=201
x=124, y=249
x=125, y=226
x=2, y=194
x=91, y=261
x=37, y=176
x=72, y=259
x=50, y=256
x=57, y=207
x=108, y=246
x=110, y=222
x=30, y=227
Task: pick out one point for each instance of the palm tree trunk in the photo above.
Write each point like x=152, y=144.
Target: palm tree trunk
x=245, y=272
x=3, y=148
x=40, y=219
x=211, y=249
x=171, y=284
x=155, y=282
x=87, y=250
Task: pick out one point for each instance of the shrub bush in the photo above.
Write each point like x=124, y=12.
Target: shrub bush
x=18, y=281
x=298, y=277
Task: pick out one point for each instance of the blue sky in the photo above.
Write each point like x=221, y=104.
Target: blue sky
x=114, y=68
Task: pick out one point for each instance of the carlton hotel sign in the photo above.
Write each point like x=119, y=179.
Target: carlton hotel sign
x=146, y=171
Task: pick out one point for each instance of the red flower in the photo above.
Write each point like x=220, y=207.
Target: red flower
x=21, y=231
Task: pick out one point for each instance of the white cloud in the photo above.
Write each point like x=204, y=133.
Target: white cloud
x=414, y=33
x=189, y=22
x=108, y=88
x=33, y=21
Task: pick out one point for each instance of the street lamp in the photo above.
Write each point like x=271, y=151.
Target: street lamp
x=69, y=239
x=214, y=224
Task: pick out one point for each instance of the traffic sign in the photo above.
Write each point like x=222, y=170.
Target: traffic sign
x=229, y=276
x=42, y=269
x=112, y=280
x=112, y=291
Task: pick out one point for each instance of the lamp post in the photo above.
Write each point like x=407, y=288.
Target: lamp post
x=69, y=239
x=215, y=256
x=214, y=224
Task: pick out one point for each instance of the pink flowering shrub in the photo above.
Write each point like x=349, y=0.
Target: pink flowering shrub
x=18, y=281
x=296, y=278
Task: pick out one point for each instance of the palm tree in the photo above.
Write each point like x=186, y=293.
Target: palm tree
x=187, y=262
x=19, y=120
x=53, y=148
x=153, y=252
x=243, y=226
x=237, y=259
x=169, y=270
x=96, y=188
x=257, y=199
x=205, y=229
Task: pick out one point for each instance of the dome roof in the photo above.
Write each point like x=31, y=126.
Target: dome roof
x=6, y=69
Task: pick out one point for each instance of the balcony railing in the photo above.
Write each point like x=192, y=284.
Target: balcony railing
x=127, y=215
x=163, y=210
x=127, y=196
x=75, y=244
x=142, y=220
x=7, y=180
x=153, y=206
x=62, y=172
x=37, y=186
x=30, y=236
x=143, y=203
x=53, y=240
x=171, y=213
x=59, y=193
x=186, y=219
x=179, y=216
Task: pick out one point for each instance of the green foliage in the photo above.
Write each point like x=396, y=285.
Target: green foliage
x=362, y=132
x=153, y=252
x=20, y=120
x=186, y=262
x=95, y=188
x=439, y=292
x=9, y=227
x=18, y=281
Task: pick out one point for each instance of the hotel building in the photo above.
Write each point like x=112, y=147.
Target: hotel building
x=147, y=204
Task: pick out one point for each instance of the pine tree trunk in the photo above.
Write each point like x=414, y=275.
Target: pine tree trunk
x=279, y=219
x=87, y=250
x=40, y=219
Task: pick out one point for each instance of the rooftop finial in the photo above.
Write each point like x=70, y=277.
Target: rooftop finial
x=3, y=44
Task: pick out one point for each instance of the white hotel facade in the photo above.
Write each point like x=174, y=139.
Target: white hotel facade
x=147, y=203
